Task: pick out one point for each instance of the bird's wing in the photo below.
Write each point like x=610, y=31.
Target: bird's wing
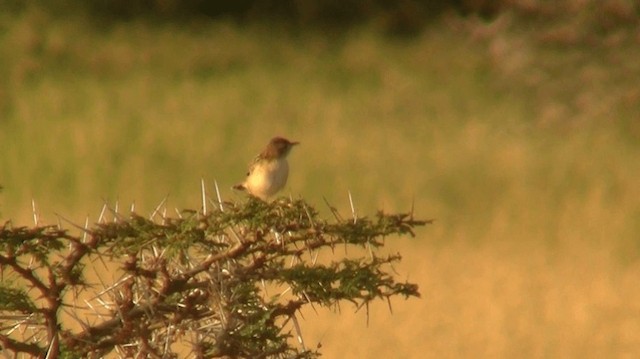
x=253, y=164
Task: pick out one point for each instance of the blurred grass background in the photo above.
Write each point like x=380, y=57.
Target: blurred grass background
x=519, y=134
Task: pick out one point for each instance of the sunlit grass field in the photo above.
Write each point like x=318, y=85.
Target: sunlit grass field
x=526, y=154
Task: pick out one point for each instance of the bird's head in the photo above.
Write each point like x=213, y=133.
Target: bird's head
x=279, y=147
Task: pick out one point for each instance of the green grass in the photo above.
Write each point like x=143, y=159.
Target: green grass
x=525, y=152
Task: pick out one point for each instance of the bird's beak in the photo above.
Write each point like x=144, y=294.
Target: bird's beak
x=294, y=143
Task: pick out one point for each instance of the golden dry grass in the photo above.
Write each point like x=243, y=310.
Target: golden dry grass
x=525, y=154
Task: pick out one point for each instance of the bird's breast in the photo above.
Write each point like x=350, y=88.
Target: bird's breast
x=267, y=178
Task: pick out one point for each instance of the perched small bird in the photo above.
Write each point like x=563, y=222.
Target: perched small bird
x=269, y=170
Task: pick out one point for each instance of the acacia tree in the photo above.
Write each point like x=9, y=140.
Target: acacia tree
x=226, y=283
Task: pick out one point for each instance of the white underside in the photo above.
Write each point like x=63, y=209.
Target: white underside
x=266, y=179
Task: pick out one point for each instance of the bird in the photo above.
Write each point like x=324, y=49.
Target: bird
x=269, y=170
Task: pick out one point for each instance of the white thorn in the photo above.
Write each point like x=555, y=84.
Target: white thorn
x=204, y=197
x=308, y=214
x=35, y=213
x=353, y=209
x=115, y=218
x=219, y=197
x=155, y=211
x=86, y=226
x=101, y=217
x=370, y=250
x=50, y=354
x=284, y=292
x=298, y=331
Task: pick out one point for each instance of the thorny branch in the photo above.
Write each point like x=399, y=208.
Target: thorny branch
x=201, y=279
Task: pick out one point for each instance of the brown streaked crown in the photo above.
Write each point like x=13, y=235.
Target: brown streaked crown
x=278, y=147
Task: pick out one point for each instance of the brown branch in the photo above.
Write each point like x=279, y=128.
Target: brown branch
x=101, y=336
x=25, y=273
x=234, y=252
x=20, y=347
